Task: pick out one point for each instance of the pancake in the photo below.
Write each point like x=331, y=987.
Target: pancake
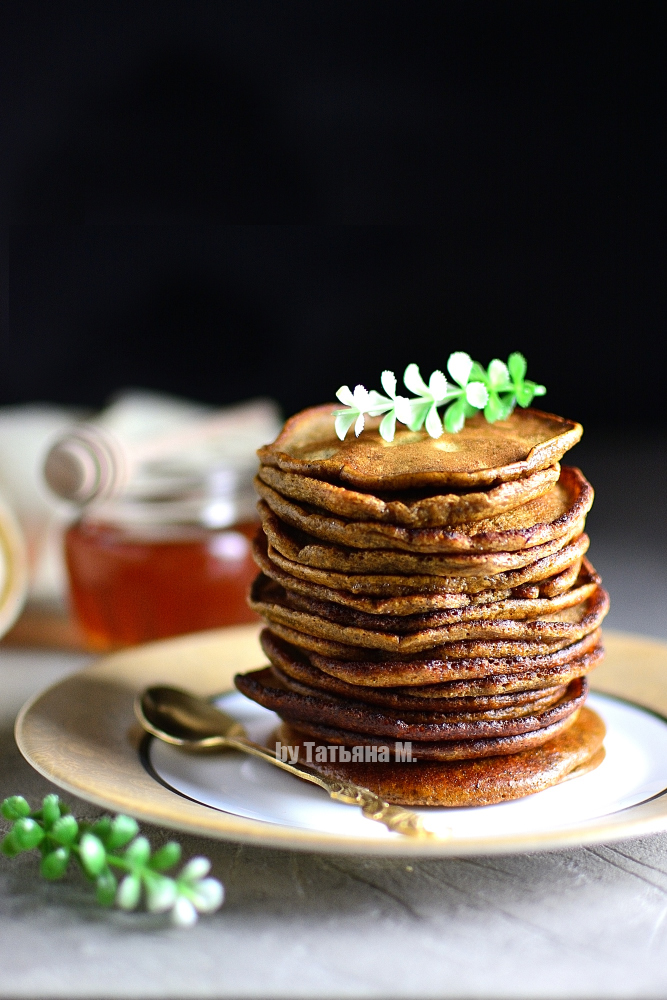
x=410, y=509
x=569, y=624
x=396, y=584
x=481, y=454
x=520, y=601
x=408, y=621
x=462, y=649
x=509, y=706
x=509, y=610
x=304, y=549
x=471, y=782
x=557, y=584
x=432, y=592
x=445, y=750
x=536, y=522
x=496, y=691
x=382, y=671
x=360, y=718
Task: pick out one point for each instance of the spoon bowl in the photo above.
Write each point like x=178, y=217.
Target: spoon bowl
x=185, y=720
x=178, y=717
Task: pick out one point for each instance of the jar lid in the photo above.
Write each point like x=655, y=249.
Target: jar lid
x=181, y=492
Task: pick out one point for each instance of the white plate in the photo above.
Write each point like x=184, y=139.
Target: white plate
x=634, y=770
x=81, y=734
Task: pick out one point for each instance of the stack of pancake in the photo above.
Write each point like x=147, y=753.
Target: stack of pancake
x=432, y=592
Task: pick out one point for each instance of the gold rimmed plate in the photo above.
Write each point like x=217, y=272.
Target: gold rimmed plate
x=81, y=734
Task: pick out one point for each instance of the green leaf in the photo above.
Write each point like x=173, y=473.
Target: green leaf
x=9, y=847
x=419, y=408
x=208, y=895
x=92, y=854
x=344, y=395
x=28, y=833
x=437, y=385
x=433, y=423
x=517, y=366
x=388, y=426
x=196, y=869
x=123, y=830
x=459, y=367
x=477, y=373
x=105, y=888
x=65, y=831
x=129, y=892
x=403, y=409
x=540, y=390
x=524, y=394
x=509, y=402
x=494, y=409
x=388, y=382
x=15, y=807
x=102, y=828
x=455, y=416
x=54, y=864
x=377, y=404
x=343, y=423
x=477, y=394
x=161, y=893
x=138, y=852
x=414, y=382
x=50, y=810
x=166, y=857
x=184, y=913
x=499, y=375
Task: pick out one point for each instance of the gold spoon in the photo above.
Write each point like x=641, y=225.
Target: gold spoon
x=183, y=719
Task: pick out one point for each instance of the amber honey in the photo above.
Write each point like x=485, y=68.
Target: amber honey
x=132, y=585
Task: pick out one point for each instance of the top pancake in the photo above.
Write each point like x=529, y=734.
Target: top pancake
x=481, y=454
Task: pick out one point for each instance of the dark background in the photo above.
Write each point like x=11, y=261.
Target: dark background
x=222, y=200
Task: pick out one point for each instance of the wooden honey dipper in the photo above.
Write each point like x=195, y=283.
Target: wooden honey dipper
x=90, y=462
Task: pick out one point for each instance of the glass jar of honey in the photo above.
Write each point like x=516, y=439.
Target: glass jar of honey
x=172, y=556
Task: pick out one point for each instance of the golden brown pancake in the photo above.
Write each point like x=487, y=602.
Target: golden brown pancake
x=415, y=509
x=482, y=454
x=471, y=782
x=472, y=709
x=321, y=708
x=512, y=609
x=567, y=625
x=408, y=618
x=463, y=649
x=559, y=583
x=444, y=750
x=307, y=550
x=536, y=522
x=383, y=671
x=496, y=691
x=526, y=600
x=396, y=584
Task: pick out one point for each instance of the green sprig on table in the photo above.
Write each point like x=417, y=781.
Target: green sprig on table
x=495, y=390
x=111, y=854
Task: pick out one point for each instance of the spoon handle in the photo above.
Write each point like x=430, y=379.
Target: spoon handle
x=395, y=818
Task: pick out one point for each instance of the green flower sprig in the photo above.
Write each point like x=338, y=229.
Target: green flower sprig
x=113, y=856
x=495, y=390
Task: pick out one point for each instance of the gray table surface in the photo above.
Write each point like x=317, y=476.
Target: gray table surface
x=582, y=923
